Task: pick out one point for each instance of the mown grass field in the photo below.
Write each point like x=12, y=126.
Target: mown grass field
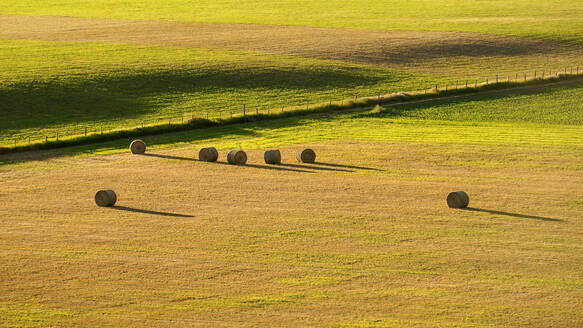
x=363, y=238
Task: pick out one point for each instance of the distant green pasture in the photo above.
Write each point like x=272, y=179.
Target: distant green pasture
x=550, y=19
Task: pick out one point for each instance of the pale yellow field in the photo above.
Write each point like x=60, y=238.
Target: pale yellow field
x=362, y=239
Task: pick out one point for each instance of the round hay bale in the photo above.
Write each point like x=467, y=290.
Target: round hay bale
x=306, y=155
x=105, y=197
x=272, y=156
x=209, y=154
x=138, y=147
x=237, y=157
x=458, y=199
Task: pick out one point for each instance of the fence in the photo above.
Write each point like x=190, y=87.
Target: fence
x=85, y=131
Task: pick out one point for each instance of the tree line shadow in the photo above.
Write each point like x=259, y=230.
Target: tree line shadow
x=42, y=103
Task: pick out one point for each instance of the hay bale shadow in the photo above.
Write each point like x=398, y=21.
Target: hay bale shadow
x=516, y=215
x=312, y=167
x=348, y=166
x=256, y=166
x=138, y=210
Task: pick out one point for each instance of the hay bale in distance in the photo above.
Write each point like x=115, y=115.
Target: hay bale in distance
x=209, y=154
x=458, y=199
x=138, y=147
x=237, y=157
x=105, y=197
x=306, y=155
x=272, y=156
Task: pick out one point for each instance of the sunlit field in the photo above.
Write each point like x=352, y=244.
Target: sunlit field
x=363, y=237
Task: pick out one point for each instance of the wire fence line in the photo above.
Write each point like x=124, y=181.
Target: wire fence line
x=213, y=115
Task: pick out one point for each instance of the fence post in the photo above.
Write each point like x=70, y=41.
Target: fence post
x=256, y=110
x=525, y=76
x=57, y=138
x=244, y=110
x=535, y=74
x=486, y=81
x=436, y=89
x=496, y=78
x=101, y=127
x=282, y=108
x=577, y=70
x=46, y=139
x=466, y=84
x=85, y=131
x=516, y=78
x=207, y=115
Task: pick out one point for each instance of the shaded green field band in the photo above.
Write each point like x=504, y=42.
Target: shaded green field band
x=407, y=103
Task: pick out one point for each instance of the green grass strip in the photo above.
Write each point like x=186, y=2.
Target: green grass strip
x=359, y=104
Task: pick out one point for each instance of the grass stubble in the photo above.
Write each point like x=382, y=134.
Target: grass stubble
x=362, y=237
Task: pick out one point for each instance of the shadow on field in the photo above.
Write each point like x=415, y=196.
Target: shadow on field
x=54, y=101
x=256, y=166
x=313, y=167
x=439, y=108
x=170, y=157
x=516, y=215
x=348, y=166
x=267, y=167
x=137, y=210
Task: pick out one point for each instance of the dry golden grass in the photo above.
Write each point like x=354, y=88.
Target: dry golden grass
x=364, y=238
x=454, y=54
